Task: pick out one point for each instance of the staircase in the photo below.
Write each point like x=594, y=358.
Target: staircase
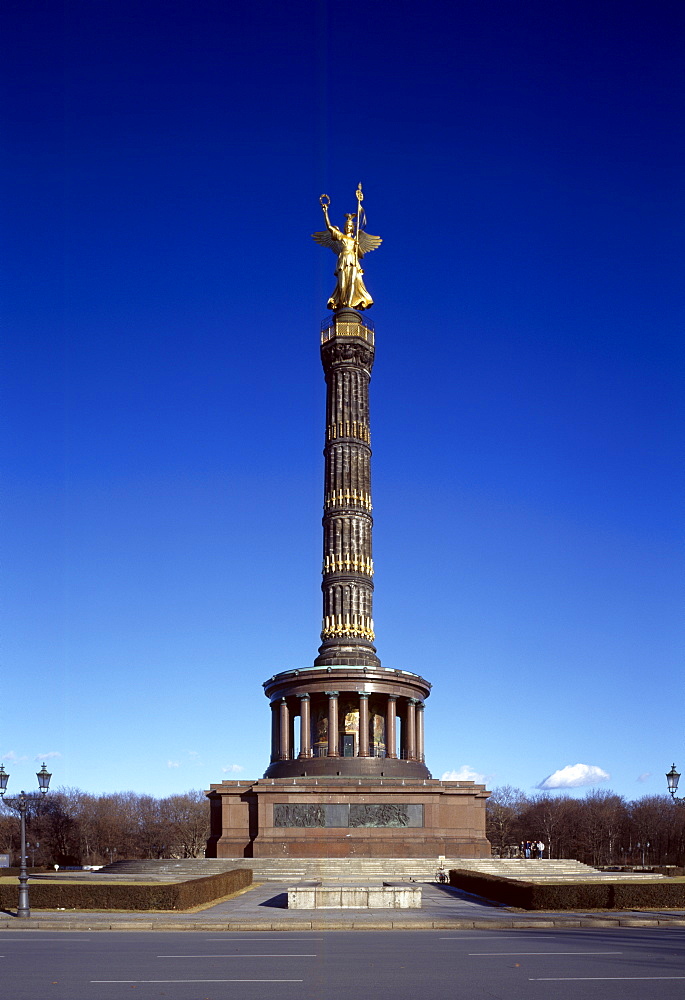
x=356, y=869
x=289, y=869
x=550, y=871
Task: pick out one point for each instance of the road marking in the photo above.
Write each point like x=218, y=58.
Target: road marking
x=483, y=937
x=93, y=981
x=475, y=954
x=263, y=937
x=585, y=979
x=236, y=956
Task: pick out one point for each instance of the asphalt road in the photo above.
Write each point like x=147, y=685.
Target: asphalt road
x=621, y=963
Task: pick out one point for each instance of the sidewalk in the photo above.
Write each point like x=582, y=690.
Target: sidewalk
x=263, y=908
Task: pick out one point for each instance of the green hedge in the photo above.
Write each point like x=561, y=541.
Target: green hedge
x=609, y=895
x=47, y=895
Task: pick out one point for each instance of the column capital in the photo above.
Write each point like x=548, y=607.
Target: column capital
x=304, y=695
x=363, y=694
x=332, y=694
x=393, y=697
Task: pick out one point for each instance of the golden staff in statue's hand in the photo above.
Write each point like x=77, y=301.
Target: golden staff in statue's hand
x=360, y=198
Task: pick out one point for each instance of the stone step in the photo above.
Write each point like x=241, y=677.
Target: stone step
x=287, y=869
x=366, y=869
x=551, y=870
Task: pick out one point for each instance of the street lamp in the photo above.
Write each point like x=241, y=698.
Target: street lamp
x=645, y=847
x=673, y=778
x=23, y=910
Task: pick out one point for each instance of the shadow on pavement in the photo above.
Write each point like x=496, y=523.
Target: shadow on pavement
x=280, y=901
x=455, y=893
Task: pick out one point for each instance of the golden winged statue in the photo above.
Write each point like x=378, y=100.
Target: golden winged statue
x=350, y=246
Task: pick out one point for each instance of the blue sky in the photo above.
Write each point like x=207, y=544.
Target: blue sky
x=163, y=397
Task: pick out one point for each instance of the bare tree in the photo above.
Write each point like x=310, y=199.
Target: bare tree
x=551, y=818
x=187, y=819
x=503, y=812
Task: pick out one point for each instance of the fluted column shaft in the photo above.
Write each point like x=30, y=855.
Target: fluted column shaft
x=284, y=723
x=410, y=738
x=363, y=748
x=391, y=727
x=305, y=727
x=420, y=749
x=275, y=731
x=333, y=724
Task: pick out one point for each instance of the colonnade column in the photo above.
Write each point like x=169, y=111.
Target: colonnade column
x=332, y=723
x=305, y=727
x=275, y=730
x=410, y=741
x=391, y=726
x=420, y=751
x=363, y=749
x=284, y=719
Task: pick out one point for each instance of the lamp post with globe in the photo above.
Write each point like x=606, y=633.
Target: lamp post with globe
x=672, y=777
x=23, y=909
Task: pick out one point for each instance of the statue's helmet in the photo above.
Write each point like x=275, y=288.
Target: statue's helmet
x=350, y=221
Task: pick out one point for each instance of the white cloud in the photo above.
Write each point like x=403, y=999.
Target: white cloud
x=232, y=769
x=13, y=758
x=644, y=776
x=575, y=776
x=173, y=763
x=47, y=756
x=465, y=773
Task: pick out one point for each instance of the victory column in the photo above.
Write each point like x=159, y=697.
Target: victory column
x=350, y=779
x=349, y=706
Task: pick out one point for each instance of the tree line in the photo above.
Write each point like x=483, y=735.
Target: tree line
x=600, y=829
x=70, y=827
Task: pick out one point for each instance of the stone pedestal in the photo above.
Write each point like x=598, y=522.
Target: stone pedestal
x=331, y=896
x=339, y=818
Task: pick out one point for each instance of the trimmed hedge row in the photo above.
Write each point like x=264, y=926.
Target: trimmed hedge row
x=9, y=872
x=608, y=895
x=46, y=895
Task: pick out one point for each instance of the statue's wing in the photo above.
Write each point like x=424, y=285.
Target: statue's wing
x=326, y=240
x=367, y=243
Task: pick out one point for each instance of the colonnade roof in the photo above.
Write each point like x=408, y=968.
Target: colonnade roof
x=388, y=671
